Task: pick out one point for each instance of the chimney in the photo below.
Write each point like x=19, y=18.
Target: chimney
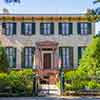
x=6, y=11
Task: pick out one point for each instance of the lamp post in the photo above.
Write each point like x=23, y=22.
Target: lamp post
x=62, y=79
x=34, y=81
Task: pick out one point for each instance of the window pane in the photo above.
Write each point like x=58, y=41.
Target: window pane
x=65, y=28
x=28, y=28
x=46, y=28
x=28, y=56
x=66, y=57
x=84, y=28
x=11, y=55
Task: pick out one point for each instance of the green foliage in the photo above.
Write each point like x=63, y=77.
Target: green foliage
x=70, y=75
x=88, y=71
x=92, y=84
x=90, y=62
x=3, y=80
x=19, y=81
x=3, y=60
x=68, y=87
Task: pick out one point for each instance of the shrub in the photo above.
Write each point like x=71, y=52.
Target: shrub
x=3, y=81
x=68, y=87
x=92, y=84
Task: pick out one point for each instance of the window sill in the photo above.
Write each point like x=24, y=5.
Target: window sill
x=65, y=34
x=47, y=34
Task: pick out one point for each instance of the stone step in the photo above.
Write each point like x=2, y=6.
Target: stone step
x=49, y=90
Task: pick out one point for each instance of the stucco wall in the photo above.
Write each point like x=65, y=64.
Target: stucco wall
x=75, y=40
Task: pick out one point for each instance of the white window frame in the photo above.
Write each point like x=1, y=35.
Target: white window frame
x=10, y=54
x=84, y=28
x=28, y=57
x=9, y=28
x=28, y=28
x=65, y=28
x=46, y=28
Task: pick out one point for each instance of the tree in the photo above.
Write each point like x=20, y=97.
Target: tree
x=96, y=1
x=3, y=60
x=90, y=61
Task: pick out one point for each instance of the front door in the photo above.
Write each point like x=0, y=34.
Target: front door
x=47, y=60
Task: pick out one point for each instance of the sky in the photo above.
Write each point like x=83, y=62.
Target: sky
x=50, y=6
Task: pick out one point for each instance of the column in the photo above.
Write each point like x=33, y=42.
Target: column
x=56, y=28
x=74, y=28
x=18, y=28
x=18, y=58
x=75, y=57
x=93, y=28
x=39, y=58
x=53, y=59
x=37, y=53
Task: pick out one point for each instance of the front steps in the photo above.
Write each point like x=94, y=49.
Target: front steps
x=49, y=89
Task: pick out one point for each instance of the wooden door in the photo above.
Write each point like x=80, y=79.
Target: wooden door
x=47, y=60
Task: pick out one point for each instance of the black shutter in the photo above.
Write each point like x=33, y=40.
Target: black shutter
x=79, y=54
x=52, y=28
x=71, y=56
x=89, y=28
x=78, y=28
x=23, y=57
x=61, y=55
x=41, y=28
x=33, y=53
x=14, y=57
x=70, y=28
x=60, y=28
x=33, y=28
x=14, y=28
x=22, y=28
x=4, y=28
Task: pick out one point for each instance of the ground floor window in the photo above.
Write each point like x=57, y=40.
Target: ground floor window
x=80, y=52
x=66, y=55
x=27, y=57
x=11, y=56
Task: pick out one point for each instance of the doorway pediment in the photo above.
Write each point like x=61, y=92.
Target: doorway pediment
x=46, y=43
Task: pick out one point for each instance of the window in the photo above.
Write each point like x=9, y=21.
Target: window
x=28, y=28
x=65, y=28
x=28, y=56
x=11, y=55
x=46, y=28
x=66, y=55
x=84, y=28
x=9, y=28
x=80, y=52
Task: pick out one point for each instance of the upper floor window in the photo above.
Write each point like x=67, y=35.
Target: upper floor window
x=65, y=28
x=11, y=55
x=84, y=28
x=46, y=28
x=9, y=28
x=28, y=28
